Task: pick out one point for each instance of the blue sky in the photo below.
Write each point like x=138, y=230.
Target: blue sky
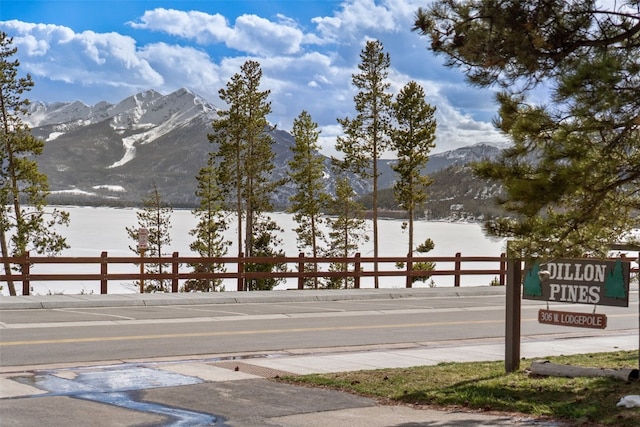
x=94, y=50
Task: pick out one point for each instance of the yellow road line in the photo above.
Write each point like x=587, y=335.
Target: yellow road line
x=262, y=331
x=227, y=333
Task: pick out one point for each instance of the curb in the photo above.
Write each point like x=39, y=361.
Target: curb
x=28, y=302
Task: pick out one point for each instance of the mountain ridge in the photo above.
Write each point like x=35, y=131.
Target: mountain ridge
x=113, y=154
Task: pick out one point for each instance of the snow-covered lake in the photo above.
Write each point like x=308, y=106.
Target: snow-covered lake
x=94, y=230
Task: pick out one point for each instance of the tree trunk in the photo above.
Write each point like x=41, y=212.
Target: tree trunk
x=376, y=281
x=314, y=246
x=548, y=369
x=7, y=264
x=411, y=231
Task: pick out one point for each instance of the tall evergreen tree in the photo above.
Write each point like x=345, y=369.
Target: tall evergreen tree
x=306, y=170
x=155, y=217
x=346, y=229
x=366, y=135
x=265, y=244
x=412, y=138
x=24, y=224
x=229, y=135
x=572, y=175
x=245, y=153
x=209, y=232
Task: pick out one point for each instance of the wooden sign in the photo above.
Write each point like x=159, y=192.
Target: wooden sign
x=568, y=318
x=143, y=238
x=583, y=281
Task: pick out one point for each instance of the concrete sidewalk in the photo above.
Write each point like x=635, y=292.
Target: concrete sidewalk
x=239, y=392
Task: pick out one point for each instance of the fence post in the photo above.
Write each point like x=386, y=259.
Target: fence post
x=104, y=265
x=456, y=279
x=240, y=272
x=409, y=282
x=174, y=272
x=26, y=283
x=142, y=250
x=301, y=270
x=503, y=268
x=356, y=271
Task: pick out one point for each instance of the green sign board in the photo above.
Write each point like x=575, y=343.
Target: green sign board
x=582, y=281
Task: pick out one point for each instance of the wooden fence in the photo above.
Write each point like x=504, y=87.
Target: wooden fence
x=301, y=268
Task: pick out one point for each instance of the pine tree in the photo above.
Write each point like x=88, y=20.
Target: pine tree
x=614, y=285
x=412, y=138
x=229, y=134
x=155, y=216
x=23, y=188
x=346, y=230
x=366, y=135
x=245, y=153
x=265, y=244
x=571, y=177
x=532, y=285
x=209, y=231
x=306, y=171
x=424, y=247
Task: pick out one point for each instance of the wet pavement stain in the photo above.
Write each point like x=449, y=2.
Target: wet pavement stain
x=118, y=386
x=179, y=417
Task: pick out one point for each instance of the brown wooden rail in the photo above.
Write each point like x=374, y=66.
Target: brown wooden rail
x=178, y=266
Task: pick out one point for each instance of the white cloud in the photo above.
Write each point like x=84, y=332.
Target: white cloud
x=303, y=70
x=327, y=139
x=88, y=58
x=251, y=33
x=355, y=16
x=199, y=26
x=262, y=37
x=183, y=66
x=35, y=39
x=455, y=130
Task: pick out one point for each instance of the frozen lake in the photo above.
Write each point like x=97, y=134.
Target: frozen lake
x=94, y=230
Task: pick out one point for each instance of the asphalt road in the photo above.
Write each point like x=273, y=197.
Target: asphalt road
x=91, y=334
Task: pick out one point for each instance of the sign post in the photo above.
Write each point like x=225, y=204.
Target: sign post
x=635, y=248
x=143, y=244
x=578, y=281
x=513, y=312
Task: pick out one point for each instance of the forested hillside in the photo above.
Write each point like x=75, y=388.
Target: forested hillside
x=456, y=194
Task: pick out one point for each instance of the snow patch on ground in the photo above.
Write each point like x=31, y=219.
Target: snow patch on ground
x=150, y=135
x=129, y=152
x=74, y=191
x=54, y=135
x=113, y=188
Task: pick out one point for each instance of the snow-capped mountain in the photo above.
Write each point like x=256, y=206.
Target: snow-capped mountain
x=462, y=156
x=137, y=120
x=115, y=153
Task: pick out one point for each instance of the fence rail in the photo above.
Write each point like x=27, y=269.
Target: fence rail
x=301, y=268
